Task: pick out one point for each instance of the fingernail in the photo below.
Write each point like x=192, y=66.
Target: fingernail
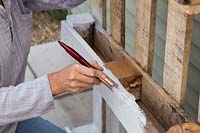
x=92, y=74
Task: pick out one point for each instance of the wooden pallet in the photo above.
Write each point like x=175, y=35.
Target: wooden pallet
x=165, y=102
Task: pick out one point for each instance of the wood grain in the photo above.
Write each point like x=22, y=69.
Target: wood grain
x=117, y=21
x=145, y=33
x=101, y=37
x=129, y=77
x=189, y=9
x=167, y=111
x=190, y=2
x=177, y=52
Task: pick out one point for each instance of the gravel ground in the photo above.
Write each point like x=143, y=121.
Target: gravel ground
x=45, y=29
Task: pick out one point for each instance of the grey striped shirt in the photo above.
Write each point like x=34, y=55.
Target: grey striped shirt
x=18, y=100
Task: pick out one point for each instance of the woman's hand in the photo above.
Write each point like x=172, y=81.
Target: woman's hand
x=74, y=78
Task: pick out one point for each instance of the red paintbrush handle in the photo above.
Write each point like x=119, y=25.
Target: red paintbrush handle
x=75, y=55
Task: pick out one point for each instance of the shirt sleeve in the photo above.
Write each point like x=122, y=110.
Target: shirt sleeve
x=51, y=4
x=25, y=100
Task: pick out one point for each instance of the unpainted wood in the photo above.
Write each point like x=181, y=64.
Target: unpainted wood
x=189, y=9
x=117, y=21
x=164, y=108
x=122, y=69
x=153, y=126
x=129, y=76
x=104, y=11
x=171, y=106
x=177, y=52
x=185, y=128
x=191, y=2
x=145, y=33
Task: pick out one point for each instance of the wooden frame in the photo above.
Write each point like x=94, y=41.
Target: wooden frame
x=121, y=103
x=165, y=102
x=172, y=112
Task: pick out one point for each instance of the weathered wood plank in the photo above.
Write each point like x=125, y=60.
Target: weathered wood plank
x=117, y=21
x=191, y=2
x=159, y=102
x=101, y=37
x=104, y=20
x=177, y=52
x=145, y=33
x=189, y=9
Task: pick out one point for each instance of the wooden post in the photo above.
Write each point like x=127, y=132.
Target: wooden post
x=177, y=51
x=145, y=33
x=117, y=21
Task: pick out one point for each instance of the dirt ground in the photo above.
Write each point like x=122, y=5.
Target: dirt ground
x=45, y=28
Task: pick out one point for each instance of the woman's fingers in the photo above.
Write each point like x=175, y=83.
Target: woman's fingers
x=85, y=70
x=96, y=65
x=87, y=79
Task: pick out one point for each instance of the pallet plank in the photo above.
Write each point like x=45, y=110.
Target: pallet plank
x=167, y=111
x=177, y=52
x=145, y=33
x=117, y=21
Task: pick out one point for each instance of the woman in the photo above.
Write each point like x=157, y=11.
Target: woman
x=22, y=103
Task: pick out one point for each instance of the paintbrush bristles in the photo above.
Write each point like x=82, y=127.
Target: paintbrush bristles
x=106, y=80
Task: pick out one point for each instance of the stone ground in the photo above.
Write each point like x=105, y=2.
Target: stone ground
x=45, y=28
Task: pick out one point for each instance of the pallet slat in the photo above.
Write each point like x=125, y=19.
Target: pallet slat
x=117, y=21
x=177, y=52
x=145, y=33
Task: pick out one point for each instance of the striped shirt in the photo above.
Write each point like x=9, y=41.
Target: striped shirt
x=18, y=100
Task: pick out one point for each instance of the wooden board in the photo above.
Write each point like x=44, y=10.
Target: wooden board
x=177, y=52
x=117, y=21
x=145, y=33
x=189, y=9
x=101, y=37
x=191, y=2
x=167, y=111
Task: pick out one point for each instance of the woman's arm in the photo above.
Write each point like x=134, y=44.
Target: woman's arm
x=25, y=100
x=35, y=98
x=51, y=4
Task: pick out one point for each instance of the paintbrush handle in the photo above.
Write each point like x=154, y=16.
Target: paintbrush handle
x=76, y=55
x=100, y=75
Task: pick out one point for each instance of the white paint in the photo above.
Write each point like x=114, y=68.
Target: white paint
x=121, y=103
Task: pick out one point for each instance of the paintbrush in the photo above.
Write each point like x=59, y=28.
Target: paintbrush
x=100, y=75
